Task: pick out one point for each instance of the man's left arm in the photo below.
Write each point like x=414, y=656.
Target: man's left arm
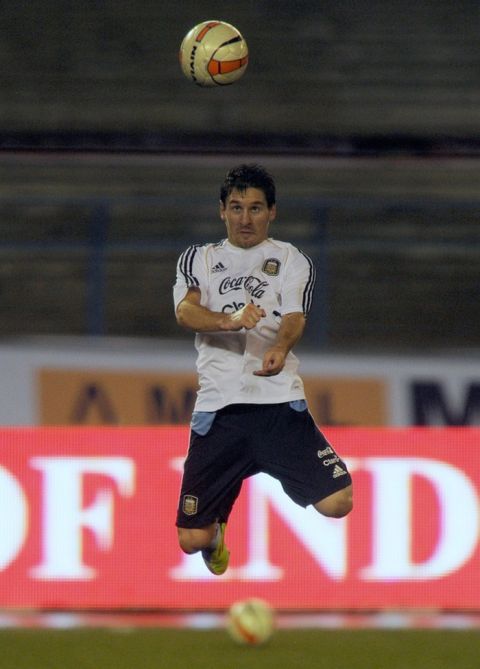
x=289, y=333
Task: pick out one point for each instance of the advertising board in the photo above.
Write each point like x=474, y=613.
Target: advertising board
x=87, y=521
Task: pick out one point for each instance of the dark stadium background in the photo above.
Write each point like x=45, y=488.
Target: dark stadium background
x=366, y=112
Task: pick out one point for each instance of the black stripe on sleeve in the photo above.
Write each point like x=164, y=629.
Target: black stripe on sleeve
x=185, y=265
x=309, y=286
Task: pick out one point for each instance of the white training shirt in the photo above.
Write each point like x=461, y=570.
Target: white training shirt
x=275, y=276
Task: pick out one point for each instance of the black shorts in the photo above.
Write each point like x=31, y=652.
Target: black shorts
x=281, y=440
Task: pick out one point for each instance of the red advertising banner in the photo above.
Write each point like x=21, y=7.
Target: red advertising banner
x=87, y=521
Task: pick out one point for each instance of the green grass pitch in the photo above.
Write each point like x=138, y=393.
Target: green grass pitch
x=197, y=649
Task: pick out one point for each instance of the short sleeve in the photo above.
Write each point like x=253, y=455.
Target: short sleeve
x=190, y=272
x=298, y=284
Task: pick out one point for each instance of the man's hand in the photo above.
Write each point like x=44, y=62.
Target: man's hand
x=247, y=317
x=289, y=333
x=273, y=362
x=193, y=316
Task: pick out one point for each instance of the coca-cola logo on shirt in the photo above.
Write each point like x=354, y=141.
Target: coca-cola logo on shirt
x=251, y=284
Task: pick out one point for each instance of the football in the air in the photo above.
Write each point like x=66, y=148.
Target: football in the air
x=251, y=621
x=213, y=53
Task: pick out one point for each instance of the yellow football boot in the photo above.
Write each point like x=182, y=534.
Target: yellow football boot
x=217, y=559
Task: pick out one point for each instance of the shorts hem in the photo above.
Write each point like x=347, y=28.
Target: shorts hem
x=348, y=482
x=197, y=524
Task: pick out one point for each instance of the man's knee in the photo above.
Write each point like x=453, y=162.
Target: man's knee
x=192, y=540
x=336, y=505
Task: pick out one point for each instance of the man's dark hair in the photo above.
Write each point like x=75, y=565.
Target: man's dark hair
x=249, y=176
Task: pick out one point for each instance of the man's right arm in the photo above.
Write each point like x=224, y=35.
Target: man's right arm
x=193, y=316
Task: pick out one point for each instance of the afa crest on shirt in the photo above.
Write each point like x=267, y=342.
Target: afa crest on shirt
x=271, y=266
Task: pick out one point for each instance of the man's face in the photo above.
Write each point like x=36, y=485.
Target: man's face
x=247, y=217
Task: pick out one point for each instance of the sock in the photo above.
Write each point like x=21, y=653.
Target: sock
x=215, y=541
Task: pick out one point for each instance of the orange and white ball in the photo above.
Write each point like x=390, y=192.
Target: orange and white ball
x=250, y=622
x=213, y=53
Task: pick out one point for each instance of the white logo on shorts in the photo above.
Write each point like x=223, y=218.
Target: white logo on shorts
x=338, y=471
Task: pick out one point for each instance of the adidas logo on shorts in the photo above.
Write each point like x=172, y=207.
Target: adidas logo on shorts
x=338, y=471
